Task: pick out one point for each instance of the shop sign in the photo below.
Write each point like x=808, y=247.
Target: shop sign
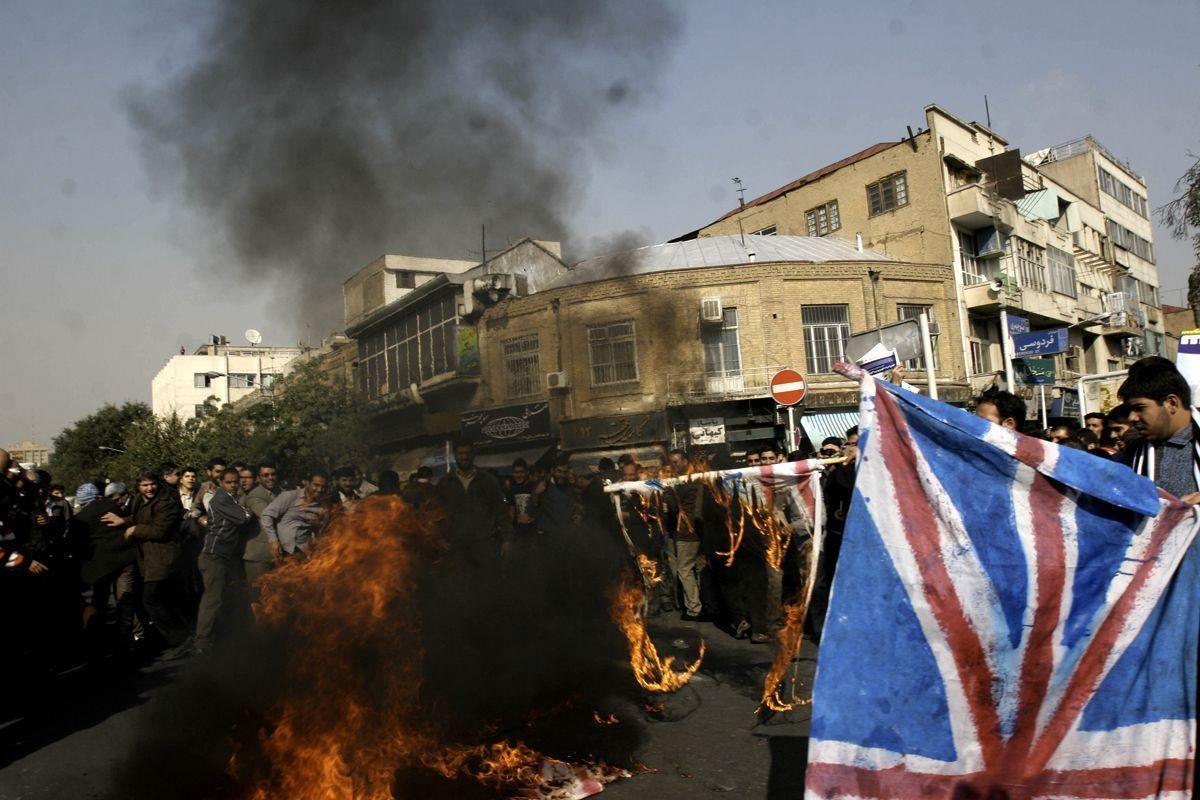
x=613, y=432
x=707, y=430
x=509, y=425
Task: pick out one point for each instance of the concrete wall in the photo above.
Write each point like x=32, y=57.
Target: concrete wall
x=173, y=390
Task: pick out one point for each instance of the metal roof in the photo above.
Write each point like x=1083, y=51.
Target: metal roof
x=714, y=251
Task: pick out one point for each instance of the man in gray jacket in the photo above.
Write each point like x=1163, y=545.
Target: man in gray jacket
x=224, y=538
x=258, y=490
x=291, y=521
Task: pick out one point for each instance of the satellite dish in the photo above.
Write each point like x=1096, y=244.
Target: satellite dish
x=253, y=336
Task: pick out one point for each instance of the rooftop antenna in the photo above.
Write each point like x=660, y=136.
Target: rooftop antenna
x=253, y=337
x=741, y=190
x=987, y=112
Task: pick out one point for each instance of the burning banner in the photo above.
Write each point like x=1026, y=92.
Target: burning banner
x=778, y=506
x=1010, y=618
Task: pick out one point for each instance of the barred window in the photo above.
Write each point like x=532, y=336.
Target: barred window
x=613, y=353
x=521, y=366
x=903, y=312
x=823, y=219
x=1062, y=272
x=1031, y=264
x=826, y=331
x=888, y=194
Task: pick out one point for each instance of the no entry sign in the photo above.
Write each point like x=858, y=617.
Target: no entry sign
x=788, y=387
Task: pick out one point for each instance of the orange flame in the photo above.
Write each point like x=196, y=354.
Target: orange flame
x=610, y=719
x=340, y=732
x=653, y=673
x=649, y=570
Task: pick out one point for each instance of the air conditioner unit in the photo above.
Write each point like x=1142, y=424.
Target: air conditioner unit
x=711, y=311
x=557, y=380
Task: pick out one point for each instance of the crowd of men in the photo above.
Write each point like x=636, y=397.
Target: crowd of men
x=164, y=567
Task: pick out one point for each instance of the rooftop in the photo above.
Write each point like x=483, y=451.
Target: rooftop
x=714, y=251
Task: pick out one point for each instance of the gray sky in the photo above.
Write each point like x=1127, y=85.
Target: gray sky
x=102, y=277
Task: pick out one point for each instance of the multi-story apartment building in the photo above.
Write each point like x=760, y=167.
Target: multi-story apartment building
x=1059, y=240
x=217, y=373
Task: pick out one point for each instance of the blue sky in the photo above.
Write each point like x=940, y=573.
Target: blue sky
x=104, y=275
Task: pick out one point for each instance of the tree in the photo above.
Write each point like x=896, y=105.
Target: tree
x=89, y=448
x=1182, y=216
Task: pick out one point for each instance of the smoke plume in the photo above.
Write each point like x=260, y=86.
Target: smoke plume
x=314, y=136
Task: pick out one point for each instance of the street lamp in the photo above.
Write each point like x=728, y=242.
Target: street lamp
x=113, y=449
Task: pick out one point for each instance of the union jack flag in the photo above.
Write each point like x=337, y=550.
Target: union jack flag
x=1009, y=619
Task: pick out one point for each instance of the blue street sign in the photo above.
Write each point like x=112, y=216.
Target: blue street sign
x=1040, y=343
x=1017, y=324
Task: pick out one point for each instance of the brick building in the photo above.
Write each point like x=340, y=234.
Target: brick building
x=641, y=350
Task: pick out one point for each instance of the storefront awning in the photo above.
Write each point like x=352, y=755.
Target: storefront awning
x=500, y=460
x=821, y=425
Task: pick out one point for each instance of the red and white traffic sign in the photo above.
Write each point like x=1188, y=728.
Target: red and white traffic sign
x=788, y=387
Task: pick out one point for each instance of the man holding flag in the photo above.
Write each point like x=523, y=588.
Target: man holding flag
x=1011, y=618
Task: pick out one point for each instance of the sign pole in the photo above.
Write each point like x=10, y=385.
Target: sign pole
x=791, y=429
x=927, y=351
x=1045, y=418
x=1006, y=346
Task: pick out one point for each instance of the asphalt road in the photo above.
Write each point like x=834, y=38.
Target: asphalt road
x=69, y=738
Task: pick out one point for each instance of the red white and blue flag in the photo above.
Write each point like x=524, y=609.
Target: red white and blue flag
x=1009, y=618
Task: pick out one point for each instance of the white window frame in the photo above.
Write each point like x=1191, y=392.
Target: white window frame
x=907, y=311
x=823, y=219
x=825, y=339
x=722, y=351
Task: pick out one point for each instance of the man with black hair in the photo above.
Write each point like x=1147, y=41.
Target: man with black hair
x=1117, y=423
x=519, y=495
x=1160, y=409
x=220, y=560
x=346, y=480
x=478, y=517
x=215, y=467
x=1002, y=408
x=259, y=488
x=1094, y=422
x=153, y=527
x=293, y=519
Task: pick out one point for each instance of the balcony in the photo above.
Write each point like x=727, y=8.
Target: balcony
x=706, y=387
x=972, y=208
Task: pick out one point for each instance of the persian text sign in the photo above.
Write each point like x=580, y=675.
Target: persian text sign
x=509, y=425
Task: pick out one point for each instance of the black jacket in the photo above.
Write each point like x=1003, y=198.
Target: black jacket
x=226, y=532
x=477, y=514
x=108, y=551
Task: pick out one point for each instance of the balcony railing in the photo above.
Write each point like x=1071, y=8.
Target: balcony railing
x=728, y=384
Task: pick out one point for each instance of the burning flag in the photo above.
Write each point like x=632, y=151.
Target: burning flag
x=775, y=504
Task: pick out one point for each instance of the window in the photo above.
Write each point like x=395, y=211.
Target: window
x=1031, y=264
x=723, y=354
x=521, y=368
x=267, y=380
x=1122, y=193
x=200, y=380
x=904, y=312
x=770, y=230
x=198, y=410
x=1128, y=240
x=413, y=348
x=981, y=348
x=973, y=269
x=406, y=280
x=826, y=331
x=1062, y=272
x=1154, y=344
x=241, y=380
x=887, y=194
x=824, y=219
x=613, y=353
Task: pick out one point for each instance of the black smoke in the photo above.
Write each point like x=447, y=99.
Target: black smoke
x=313, y=136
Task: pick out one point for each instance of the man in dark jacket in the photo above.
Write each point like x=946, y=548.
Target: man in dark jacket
x=153, y=528
x=111, y=565
x=224, y=539
x=478, y=516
